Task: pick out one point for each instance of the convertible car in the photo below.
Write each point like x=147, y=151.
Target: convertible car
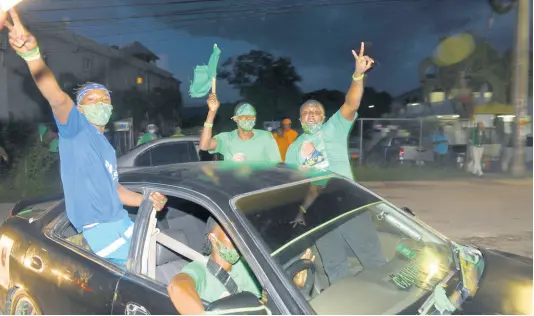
x=44, y=271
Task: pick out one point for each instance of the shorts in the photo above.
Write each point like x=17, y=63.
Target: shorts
x=110, y=240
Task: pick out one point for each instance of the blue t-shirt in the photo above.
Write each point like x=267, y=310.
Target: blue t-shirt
x=441, y=147
x=88, y=172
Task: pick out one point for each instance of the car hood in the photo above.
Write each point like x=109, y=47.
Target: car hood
x=505, y=287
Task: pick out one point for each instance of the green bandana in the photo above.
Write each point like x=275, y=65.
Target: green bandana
x=245, y=109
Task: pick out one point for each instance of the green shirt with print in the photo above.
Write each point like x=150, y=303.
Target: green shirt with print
x=261, y=147
x=331, y=152
x=210, y=289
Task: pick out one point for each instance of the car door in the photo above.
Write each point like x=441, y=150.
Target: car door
x=137, y=294
x=66, y=279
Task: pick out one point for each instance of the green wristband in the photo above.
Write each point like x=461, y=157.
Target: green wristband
x=31, y=53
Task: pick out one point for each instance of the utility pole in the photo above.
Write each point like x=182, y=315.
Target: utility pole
x=520, y=84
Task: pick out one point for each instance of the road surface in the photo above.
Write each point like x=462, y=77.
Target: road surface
x=492, y=213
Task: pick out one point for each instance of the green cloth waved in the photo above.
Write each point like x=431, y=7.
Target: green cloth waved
x=203, y=75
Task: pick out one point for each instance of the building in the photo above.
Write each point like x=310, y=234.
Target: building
x=75, y=60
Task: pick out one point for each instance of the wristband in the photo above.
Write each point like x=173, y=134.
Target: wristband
x=356, y=78
x=31, y=55
x=208, y=125
x=303, y=209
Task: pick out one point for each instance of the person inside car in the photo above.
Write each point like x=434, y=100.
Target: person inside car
x=323, y=146
x=198, y=280
x=94, y=198
x=242, y=144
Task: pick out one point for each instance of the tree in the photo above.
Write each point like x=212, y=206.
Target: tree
x=269, y=83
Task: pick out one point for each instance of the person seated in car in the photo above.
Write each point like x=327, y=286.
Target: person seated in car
x=195, y=283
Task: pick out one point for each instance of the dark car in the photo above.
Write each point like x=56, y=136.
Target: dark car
x=43, y=271
x=164, y=151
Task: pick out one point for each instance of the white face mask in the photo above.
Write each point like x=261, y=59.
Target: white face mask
x=152, y=131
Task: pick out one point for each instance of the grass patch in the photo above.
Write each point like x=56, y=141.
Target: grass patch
x=375, y=173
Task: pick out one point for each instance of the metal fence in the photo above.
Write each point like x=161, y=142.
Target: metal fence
x=372, y=133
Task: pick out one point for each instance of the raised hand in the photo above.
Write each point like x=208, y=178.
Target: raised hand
x=20, y=39
x=159, y=200
x=213, y=102
x=363, y=63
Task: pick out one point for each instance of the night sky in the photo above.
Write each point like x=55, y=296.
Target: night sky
x=317, y=35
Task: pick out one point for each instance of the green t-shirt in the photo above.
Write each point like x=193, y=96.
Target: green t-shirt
x=147, y=137
x=330, y=145
x=210, y=289
x=261, y=147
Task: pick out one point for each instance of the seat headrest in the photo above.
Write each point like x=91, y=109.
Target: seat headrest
x=165, y=255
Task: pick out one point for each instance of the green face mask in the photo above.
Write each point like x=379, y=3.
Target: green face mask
x=98, y=114
x=246, y=125
x=228, y=254
x=312, y=128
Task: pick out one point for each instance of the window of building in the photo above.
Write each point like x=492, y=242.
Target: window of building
x=87, y=64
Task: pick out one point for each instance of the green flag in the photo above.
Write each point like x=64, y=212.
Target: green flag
x=203, y=75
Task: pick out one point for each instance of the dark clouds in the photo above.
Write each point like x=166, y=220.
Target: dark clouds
x=318, y=38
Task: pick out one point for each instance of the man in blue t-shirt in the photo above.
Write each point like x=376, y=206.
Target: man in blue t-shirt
x=440, y=146
x=94, y=198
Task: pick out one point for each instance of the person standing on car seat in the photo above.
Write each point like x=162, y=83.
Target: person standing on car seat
x=93, y=196
x=151, y=134
x=324, y=146
x=242, y=144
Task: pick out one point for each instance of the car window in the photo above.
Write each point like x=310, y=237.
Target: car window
x=143, y=160
x=363, y=246
x=529, y=141
x=170, y=153
x=34, y=210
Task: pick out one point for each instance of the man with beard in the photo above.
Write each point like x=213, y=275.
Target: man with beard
x=324, y=146
x=242, y=144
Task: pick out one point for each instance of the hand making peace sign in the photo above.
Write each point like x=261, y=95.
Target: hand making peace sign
x=20, y=39
x=363, y=63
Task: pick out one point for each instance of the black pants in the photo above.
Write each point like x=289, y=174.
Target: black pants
x=440, y=159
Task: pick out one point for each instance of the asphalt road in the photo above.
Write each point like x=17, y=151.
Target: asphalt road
x=492, y=213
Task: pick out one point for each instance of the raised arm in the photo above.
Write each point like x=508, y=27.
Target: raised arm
x=207, y=142
x=354, y=96
x=25, y=45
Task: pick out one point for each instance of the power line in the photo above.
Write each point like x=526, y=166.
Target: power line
x=241, y=16
x=138, y=4
x=274, y=10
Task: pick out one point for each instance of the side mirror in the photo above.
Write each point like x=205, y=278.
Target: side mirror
x=244, y=303
x=409, y=211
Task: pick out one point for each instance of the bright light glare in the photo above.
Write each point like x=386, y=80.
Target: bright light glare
x=371, y=106
x=8, y=4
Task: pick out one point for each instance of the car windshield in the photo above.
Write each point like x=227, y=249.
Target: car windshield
x=370, y=257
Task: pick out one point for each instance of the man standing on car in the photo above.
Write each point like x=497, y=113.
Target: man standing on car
x=324, y=146
x=151, y=134
x=93, y=197
x=242, y=144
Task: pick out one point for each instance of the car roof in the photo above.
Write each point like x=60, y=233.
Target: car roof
x=128, y=157
x=221, y=179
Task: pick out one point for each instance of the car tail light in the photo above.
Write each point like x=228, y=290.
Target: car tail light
x=401, y=152
x=355, y=156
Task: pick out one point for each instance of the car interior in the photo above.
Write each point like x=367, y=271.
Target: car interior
x=181, y=220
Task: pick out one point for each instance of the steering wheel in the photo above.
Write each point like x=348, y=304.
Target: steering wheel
x=301, y=265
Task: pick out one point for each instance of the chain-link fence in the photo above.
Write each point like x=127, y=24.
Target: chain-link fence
x=412, y=141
